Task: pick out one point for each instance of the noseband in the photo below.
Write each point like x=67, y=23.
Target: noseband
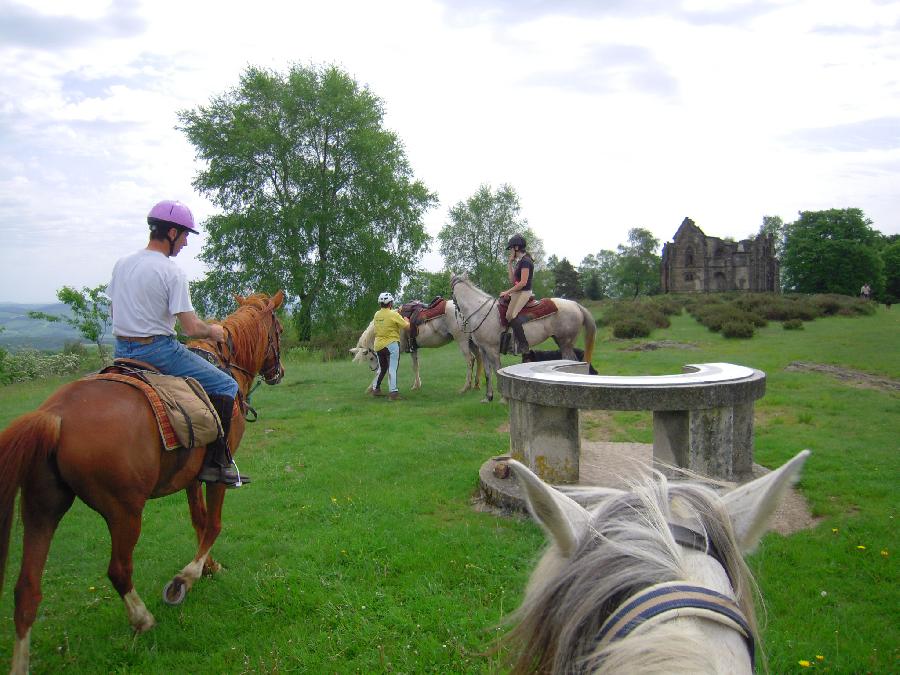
x=676, y=599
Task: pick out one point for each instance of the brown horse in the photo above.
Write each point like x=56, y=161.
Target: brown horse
x=98, y=440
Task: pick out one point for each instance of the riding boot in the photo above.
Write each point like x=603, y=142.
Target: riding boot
x=519, y=332
x=505, y=339
x=218, y=465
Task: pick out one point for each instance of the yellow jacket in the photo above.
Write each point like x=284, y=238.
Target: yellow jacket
x=388, y=324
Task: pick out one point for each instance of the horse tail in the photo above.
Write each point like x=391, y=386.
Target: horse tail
x=590, y=332
x=27, y=441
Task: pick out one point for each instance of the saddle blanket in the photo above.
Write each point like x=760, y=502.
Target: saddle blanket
x=534, y=309
x=418, y=312
x=184, y=414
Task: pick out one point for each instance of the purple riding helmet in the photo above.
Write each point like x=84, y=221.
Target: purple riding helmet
x=172, y=213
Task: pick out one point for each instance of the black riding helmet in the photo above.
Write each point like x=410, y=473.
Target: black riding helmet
x=516, y=240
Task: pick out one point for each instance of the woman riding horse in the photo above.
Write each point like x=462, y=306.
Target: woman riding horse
x=520, y=268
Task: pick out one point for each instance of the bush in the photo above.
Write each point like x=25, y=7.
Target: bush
x=738, y=329
x=792, y=324
x=335, y=345
x=631, y=328
x=74, y=347
x=30, y=364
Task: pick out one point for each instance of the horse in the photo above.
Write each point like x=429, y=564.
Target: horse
x=651, y=580
x=434, y=333
x=98, y=440
x=481, y=320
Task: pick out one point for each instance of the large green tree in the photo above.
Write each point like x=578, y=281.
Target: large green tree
x=774, y=226
x=890, y=257
x=568, y=281
x=833, y=251
x=598, y=274
x=317, y=197
x=474, y=240
x=637, y=264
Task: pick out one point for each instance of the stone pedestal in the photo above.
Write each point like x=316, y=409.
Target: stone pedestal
x=702, y=419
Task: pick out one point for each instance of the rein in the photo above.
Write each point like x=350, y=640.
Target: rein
x=677, y=599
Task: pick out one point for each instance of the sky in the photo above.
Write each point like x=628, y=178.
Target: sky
x=604, y=115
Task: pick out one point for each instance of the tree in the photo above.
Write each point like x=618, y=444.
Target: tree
x=890, y=257
x=474, y=240
x=637, y=264
x=425, y=286
x=317, y=197
x=568, y=282
x=774, y=226
x=833, y=251
x=90, y=309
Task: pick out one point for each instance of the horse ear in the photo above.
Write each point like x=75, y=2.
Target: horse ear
x=751, y=505
x=564, y=519
x=276, y=300
x=240, y=299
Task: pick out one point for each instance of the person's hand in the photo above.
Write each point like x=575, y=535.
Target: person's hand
x=504, y=294
x=512, y=254
x=216, y=332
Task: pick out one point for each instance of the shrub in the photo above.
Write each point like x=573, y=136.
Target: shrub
x=74, y=347
x=792, y=324
x=631, y=328
x=30, y=364
x=738, y=329
x=335, y=345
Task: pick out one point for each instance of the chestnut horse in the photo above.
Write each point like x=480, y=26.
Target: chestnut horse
x=98, y=440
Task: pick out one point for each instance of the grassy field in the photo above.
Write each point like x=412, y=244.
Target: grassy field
x=357, y=548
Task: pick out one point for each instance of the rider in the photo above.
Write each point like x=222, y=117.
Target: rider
x=521, y=275
x=148, y=292
x=388, y=324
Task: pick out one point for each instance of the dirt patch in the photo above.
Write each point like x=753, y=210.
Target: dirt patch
x=854, y=378
x=660, y=344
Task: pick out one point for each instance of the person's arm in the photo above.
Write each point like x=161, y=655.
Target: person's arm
x=195, y=327
x=520, y=284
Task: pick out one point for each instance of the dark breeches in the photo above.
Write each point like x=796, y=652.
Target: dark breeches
x=383, y=360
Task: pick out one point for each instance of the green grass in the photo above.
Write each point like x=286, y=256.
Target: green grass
x=356, y=548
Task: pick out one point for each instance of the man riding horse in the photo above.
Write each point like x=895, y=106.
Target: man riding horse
x=149, y=292
x=521, y=275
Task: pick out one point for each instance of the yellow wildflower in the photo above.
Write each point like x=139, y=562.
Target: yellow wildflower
x=803, y=663
x=819, y=657
x=834, y=530
x=860, y=548
x=884, y=552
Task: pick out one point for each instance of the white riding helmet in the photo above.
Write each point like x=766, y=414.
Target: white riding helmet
x=385, y=298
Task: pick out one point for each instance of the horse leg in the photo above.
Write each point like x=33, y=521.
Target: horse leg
x=491, y=366
x=124, y=523
x=176, y=590
x=44, y=503
x=417, y=383
x=470, y=365
x=197, y=507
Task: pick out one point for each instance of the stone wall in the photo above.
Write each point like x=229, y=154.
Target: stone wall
x=696, y=263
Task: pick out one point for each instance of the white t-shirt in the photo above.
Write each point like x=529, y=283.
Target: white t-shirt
x=147, y=290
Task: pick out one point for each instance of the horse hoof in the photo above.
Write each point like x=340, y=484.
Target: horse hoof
x=174, y=592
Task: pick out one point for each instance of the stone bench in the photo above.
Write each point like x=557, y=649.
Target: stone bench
x=702, y=418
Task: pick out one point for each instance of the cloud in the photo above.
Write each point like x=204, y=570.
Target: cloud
x=23, y=26
x=872, y=134
x=614, y=68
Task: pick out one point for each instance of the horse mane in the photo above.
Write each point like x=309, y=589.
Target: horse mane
x=465, y=280
x=629, y=548
x=246, y=330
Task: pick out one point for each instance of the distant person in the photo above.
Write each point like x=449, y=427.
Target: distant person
x=865, y=292
x=148, y=292
x=388, y=324
x=520, y=268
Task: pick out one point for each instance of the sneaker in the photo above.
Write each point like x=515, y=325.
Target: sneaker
x=377, y=392
x=395, y=396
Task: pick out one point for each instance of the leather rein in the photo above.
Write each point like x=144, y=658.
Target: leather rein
x=465, y=321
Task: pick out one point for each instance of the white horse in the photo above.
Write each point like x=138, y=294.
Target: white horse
x=481, y=320
x=646, y=581
x=434, y=333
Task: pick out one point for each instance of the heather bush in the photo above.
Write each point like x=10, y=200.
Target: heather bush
x=792, y=324
x=31, y=364
x=631, y=328
x=334, y=345
x=738, y=329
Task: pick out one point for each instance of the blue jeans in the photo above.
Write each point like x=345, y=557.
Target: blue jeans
x=173, y=358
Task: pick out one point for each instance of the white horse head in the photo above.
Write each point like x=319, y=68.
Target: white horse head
x=601, y=599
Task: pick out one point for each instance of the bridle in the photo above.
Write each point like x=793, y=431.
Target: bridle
x=678, y=599
x=464, y=321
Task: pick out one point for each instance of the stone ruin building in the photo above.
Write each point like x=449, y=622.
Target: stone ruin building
x=695, y=263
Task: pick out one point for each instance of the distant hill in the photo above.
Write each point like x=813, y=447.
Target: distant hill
x=20, y=331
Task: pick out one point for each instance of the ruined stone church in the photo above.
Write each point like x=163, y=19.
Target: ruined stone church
x=695, y=263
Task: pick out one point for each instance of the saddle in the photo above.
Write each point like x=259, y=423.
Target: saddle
x=184, y=414
x=533, y=309
x=418, y=312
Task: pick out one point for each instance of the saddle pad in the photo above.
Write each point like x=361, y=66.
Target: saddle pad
x=419, y=313
x=184, y=415
x=533, y=309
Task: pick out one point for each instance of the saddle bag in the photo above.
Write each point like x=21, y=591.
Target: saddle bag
x=189, y=409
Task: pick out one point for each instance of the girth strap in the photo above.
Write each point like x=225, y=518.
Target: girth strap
x=672, y=600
